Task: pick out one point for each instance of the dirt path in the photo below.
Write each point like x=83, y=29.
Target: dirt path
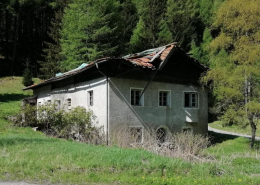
x=231, y=133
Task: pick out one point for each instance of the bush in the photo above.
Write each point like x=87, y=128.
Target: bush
x=185, y=145
x=76, y=124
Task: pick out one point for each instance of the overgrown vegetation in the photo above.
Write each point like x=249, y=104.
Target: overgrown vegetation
x=76, y=124
x=31, y=156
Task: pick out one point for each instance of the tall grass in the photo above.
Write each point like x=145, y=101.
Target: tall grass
x=31, y=156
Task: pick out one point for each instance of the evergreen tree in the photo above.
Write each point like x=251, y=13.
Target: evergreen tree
x=73, y=37
x=151, y=27
x=202, y=52
x=183, y=19
x=27, y=75
x=129, y=19
x=52, y=56
x=90, y=30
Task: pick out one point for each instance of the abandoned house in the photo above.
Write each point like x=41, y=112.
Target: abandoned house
x=156, y=88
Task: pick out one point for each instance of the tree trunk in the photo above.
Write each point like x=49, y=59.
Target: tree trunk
x=253, y=129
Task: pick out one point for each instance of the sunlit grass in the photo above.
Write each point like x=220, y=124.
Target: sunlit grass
x=234, y=128
x=31, y=156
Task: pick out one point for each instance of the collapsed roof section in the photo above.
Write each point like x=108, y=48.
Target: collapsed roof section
x=151, y=59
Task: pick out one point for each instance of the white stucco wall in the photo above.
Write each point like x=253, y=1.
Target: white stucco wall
x=175, y=117
x=78, y=93
x=43, y=94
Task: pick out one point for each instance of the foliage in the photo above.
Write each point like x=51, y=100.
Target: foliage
x=182, y=18
x=27, y=75
x=75, y=124
x=66, y=162
x=236, y=80
x=147, y=33
x=52, y=55
x=90, y=30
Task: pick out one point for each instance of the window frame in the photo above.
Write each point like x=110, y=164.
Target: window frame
x=142, y=132
x=69, y=103
x=190, y=99
x=141, y=101
x=90, y=97
x=168, y=98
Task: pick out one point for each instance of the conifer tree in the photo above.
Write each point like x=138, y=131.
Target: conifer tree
x=90, y=30
x=150, y=28
x=183, y=18
x=128, y=22
x=27, y=75
x=52, y=55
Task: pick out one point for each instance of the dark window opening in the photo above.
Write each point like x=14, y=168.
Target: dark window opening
x=90, y=98
x=161, y=135
x=164, y=98
x=136, y=134
x=136, y=97
x=190, y=99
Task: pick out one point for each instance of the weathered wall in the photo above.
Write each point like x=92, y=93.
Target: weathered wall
x=78, y=94
x=174, y=117
x=43, y=94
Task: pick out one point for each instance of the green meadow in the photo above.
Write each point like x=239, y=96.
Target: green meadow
x=26, y=155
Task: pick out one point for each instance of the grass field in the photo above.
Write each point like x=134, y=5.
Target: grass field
x=31, y=156
x=234, y=128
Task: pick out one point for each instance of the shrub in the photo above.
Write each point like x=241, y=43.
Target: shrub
x=185, y=145
x=76, y=124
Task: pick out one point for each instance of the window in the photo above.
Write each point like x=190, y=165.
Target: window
x=136, y=98
x=57, y=104
x=187, y=129
x=164, y=98
x=191, y=99
x=90, y=98
x=69, y=103
x=161, y=135
x=136, y=134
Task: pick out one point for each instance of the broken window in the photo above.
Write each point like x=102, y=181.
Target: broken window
x=90, y=98
x=69, y=103
x=164, y=98
x=191, y=99
x=136, y=134
x=161, y=135
x=136, y=98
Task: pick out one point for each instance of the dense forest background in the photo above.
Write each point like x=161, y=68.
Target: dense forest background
x=49, y=36
x=44, y=37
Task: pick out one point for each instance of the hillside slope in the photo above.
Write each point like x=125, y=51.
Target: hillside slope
x=31, y=156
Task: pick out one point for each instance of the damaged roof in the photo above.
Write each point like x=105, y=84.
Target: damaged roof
x=143, y=59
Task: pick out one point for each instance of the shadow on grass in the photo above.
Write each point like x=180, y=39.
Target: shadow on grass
x=219, y=138
x=12, y=97
x=20, y=140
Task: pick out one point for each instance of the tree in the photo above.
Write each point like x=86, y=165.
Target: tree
x=235, y=80
x=129, y=19
x=90, y=30
x=27, y=75
x=52, y=55
x=148, y=32
x=182, y=18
